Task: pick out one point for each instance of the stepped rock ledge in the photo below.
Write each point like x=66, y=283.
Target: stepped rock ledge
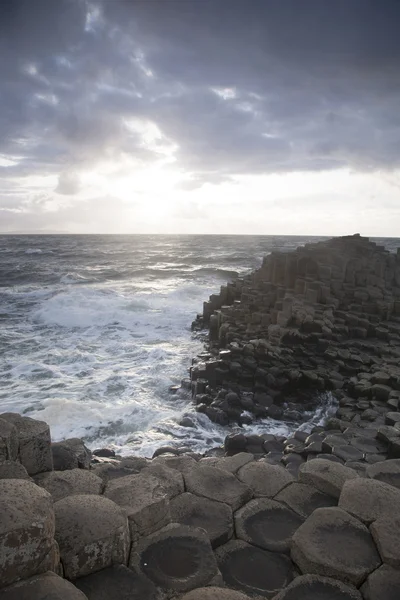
x=314, y=516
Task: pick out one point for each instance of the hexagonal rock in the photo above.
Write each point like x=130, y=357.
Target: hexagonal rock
x=234, y=463
x=267, y=524
x=61, y=484
x=9, y=443
x=92, y=533
x=386, y=533
x=307, y=587
x=304, y=499
x=34, y=442
x=217, y=484
x=382, y=584
x=387, y=471
x=117, y=583
x=265, y=479
x=48, y=586
x=392, y=418
x=369, y=499
x=10, y=469
x=26, y=531
x=144, y=500
x=252, y=570
x=332, y=543
x=214, y=517
x=328, y=477
x=347, y=453
x=180, y=463
x=214, y=593
x=176, y=558
x=170, y=479
x=368, y=445
x=70, y=454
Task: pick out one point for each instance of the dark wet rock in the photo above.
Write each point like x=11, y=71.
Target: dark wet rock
x=214, y=517
x=267, y=524
x=392, y=418
x=309, y=587
x=387, y=471
x=331, y=457
x=70, y=454
x=333, y=543
x=176, y=558
x=264, y=479
x=368, y=445
x=117, y=583
x=368, y=499
x=304, y=499
x=253, y=570
x=217, y=484
x=165, y=450
x=359, y=467
x=326, y=476
x=47, y=586
x=382, y=584
x=104, y=453
x=235, y=443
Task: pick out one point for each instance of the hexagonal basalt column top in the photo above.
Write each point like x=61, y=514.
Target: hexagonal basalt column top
x=176, y=558
x=332, y=543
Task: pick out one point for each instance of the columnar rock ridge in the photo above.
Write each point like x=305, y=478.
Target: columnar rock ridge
x=76, y=526
x=322, y=318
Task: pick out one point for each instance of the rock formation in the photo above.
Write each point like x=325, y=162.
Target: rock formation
x=191, y=527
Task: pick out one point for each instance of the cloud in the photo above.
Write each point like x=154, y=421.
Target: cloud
x=231, y=88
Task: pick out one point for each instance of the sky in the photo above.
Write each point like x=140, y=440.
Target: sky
x=200, y=116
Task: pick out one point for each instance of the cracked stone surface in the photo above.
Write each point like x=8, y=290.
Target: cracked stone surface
x=328, y=477
x=265, y=479
x=217, y=484
x=304, y=499
x=308, y=587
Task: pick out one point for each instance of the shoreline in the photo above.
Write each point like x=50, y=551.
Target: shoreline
x=312, y=515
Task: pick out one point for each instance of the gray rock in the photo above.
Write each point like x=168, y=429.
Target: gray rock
x=382, y=584
x=92, y=533
x=267, y=524
x=387, y=471
x=347, y=453
x=170, y=479
x=145, y=502
x=217, y=484
x=34, y=442
x=180, y=463
x=264, y=479
x=10, y=469
x=250, y=569
x=309, y=587
x=214, y=593
x=368, y=499
x=26, y=531
x=48, y=586
x=328, y=477
x=9, y=443
x=392, y=418
x=70, y=454
x=117, y=583
x=304, y=499
x=234, y=463
x=368, y=445
x=386, y=533
x=359, y=467
x=214, y=517
x=67, y=483
x=332, y=543
x=177, y=558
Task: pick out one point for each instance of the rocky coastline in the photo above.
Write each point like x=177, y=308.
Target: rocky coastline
x=312, y=516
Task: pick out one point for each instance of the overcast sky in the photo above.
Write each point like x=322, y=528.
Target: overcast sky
x=200, y=116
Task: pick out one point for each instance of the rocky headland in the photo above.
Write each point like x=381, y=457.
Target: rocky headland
x=315, y=516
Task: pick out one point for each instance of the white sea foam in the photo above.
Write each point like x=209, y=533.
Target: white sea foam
x=33, y=251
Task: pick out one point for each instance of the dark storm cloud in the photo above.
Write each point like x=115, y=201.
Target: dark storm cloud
x=239, y=86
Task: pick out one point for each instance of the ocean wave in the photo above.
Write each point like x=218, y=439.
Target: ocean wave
x=217, y=272
x=33, y=251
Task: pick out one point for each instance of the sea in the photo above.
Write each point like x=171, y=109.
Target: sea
x=95, y=329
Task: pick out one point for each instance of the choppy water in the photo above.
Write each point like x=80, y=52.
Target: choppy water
x=94, y=330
